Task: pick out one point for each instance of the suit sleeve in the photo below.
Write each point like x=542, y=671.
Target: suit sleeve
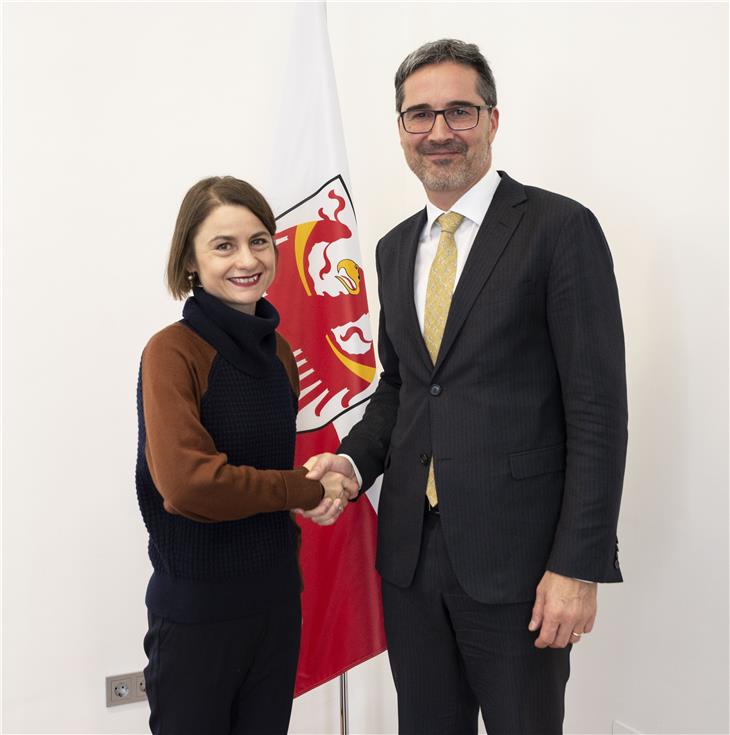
x=193, y=477
x=584, y=321
x=368, y=441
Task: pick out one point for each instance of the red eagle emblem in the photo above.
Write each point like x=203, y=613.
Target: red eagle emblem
x=320, y=291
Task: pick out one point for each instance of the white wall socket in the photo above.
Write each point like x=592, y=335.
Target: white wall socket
x=125, y=688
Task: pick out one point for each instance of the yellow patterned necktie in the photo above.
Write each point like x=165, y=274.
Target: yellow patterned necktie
x=439, y=291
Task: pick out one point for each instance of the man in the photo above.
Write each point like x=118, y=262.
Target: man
x=499, y=420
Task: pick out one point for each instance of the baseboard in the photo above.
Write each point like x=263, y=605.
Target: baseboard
x=619, y=728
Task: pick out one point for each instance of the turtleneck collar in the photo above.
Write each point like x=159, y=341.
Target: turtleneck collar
x=247, y=341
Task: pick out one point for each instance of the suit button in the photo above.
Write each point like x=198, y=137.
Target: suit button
x=435, y=390
x=425, y=459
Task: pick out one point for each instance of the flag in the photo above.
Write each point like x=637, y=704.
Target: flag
x=320, y=293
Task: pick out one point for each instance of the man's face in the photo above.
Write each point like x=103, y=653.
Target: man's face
x=446, y=160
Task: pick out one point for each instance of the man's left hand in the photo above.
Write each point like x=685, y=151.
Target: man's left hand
x=564, y=610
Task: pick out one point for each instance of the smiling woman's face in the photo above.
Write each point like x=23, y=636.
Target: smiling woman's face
x=235, y=257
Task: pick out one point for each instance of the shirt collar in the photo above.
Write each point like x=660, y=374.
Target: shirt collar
x=473, y=204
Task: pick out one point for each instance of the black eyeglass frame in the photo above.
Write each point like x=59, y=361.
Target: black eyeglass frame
x=443, y=112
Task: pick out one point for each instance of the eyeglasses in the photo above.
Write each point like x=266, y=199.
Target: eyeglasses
x=464, y=117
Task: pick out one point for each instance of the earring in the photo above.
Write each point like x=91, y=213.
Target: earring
x=191, y=279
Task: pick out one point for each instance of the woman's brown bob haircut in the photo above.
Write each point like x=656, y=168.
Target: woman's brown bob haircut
x=198, y=203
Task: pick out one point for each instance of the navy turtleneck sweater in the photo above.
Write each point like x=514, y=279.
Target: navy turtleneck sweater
x=217, y=399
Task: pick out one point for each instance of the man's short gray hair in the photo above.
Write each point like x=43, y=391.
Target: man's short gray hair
x=447, y=49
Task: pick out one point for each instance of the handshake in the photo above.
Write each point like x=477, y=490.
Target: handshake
x=340, y=484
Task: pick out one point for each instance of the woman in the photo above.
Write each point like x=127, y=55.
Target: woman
x=217, y=401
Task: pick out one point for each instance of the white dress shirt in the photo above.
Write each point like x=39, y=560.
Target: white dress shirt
x=473, y=206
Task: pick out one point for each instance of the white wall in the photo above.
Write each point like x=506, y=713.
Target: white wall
x=112, y=110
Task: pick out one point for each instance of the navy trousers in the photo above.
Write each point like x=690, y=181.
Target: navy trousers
x=452, y=656
x=225, y=678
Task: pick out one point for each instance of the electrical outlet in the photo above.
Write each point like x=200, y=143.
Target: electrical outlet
x=139, y=687
x=125, y=688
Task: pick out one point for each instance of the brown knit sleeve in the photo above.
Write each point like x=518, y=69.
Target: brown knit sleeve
x=193, y=477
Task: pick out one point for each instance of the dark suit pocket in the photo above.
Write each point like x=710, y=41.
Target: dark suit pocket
x=537, y=461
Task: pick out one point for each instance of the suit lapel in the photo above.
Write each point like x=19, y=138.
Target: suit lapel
x=500, y=222
x=409, y=248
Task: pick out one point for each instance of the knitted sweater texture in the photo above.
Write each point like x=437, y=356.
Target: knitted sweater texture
x=216, y=400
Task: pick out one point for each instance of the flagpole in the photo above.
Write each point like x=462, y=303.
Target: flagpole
x=344, y=717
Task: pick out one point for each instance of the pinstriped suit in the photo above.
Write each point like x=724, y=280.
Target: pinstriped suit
x=524, y=411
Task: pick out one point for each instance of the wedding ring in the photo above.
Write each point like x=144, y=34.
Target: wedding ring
x=577, y=635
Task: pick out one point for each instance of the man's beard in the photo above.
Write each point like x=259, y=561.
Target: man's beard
x=454, y=173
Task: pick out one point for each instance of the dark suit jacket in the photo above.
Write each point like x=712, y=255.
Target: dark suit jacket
x=524, y=411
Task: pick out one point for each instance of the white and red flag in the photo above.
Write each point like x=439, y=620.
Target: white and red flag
x=319, y=291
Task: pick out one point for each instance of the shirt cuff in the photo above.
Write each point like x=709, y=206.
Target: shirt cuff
x=358, y=476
